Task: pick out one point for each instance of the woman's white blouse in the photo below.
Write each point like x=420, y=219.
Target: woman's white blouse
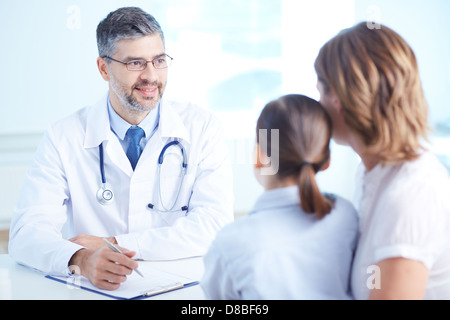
x=280, y=252
x=404, y=212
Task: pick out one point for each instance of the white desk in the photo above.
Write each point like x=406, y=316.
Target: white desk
x=22, y=283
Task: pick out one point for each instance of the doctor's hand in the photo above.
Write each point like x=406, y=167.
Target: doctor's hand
x=91, y=242
x=103, y=267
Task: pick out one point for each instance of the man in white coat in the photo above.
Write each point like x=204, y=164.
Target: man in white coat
x=94, y=177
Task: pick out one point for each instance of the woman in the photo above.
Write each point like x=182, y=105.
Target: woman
x=369, y=83
x=296, y=243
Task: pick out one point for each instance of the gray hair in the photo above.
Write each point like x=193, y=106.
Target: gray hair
x=125, y=23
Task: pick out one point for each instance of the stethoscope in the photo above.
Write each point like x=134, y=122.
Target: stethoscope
x=105, y=195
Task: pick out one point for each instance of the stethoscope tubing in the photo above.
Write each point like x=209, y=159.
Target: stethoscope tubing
x=102, y=164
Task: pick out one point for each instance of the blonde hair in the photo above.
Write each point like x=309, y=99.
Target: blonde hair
x=375, y=75
x=303, y=147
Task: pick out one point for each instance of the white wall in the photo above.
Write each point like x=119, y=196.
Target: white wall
x=16, y=154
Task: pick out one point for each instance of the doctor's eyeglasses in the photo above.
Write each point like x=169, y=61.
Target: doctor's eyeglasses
x=162, y=62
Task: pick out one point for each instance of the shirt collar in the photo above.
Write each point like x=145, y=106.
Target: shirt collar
x=120, y=126
x=277, y=198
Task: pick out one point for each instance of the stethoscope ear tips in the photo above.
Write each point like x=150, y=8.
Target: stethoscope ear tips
x=151, y=206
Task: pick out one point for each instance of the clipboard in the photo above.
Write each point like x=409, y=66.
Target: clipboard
x=155, y=282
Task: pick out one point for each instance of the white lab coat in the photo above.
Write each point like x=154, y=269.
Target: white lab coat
x=62, y=184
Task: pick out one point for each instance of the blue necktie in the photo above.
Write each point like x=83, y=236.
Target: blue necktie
x=135, y=135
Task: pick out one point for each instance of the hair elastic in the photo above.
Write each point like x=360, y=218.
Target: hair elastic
x=306, y=163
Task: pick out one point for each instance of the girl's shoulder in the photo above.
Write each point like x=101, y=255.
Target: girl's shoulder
x=341, y=204
x=343, y=213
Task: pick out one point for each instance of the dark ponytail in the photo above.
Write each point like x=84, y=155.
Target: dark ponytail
x=311, y=199
x=304, y=140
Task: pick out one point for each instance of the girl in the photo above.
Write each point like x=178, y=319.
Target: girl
x=369, y=83
x=296, y=243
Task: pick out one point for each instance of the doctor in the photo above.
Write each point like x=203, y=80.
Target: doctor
x=149, y=175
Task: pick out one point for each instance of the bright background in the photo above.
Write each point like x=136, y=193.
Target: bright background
x=231, y=57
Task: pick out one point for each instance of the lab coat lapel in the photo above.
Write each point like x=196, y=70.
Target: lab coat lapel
x=97, y=125
x=117, y=155
x=152, y=148
x=171, y=124
x=98, y=130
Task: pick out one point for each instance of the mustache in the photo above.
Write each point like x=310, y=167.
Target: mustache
x=147, y=83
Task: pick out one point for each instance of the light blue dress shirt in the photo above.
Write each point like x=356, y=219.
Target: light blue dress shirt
x=280, y=252
x=120, y=127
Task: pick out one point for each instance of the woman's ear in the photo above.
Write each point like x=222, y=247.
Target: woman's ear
x=328, y=97
x=261, y=159
x=326, y=165
x=257, y=158
x=331, y=99
x=337, y=103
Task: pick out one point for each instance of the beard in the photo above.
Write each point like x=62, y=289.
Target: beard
x=130, y=102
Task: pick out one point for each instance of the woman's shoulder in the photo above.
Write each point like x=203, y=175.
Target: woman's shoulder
x=343, y=214
x=426, y=168
x=423, y=179
x=341, y=205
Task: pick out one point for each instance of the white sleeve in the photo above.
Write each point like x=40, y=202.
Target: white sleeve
x=414, y=225
x=210, y=208
x=40, y=213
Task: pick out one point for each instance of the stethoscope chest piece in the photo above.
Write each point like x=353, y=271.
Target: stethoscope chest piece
x=105, y=195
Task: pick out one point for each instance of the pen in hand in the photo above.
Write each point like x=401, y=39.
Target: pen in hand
x=114, y=248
